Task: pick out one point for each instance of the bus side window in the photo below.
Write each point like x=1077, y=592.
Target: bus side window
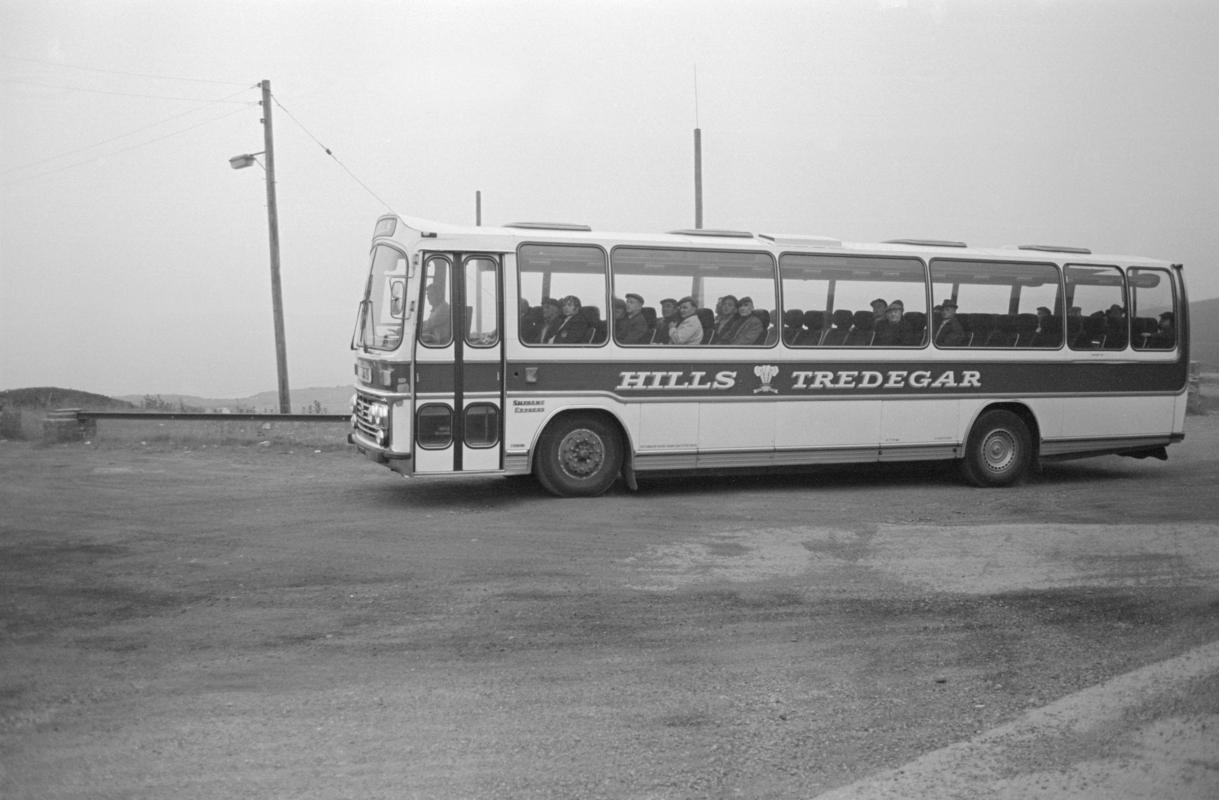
x=868, y=301
x=999, y=304
x=1153, y=308
x=1100, y=295
x=564, y=287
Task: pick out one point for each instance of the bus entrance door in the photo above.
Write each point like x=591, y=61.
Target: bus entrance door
x=459, y=385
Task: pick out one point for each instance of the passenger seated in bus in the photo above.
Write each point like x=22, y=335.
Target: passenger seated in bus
x=1116, y=334
x=531, y=322
x=687, y=329
x=1165, y=336
x=437, y=328
x=751, y=329
x=552, y=317
x=950, y=332
x=727, y=321
x=573, y=328
x=619, y=309
x=632, y=328
x=894, y=330
x=879, y=307
x=668, y=314
x=1048, y=332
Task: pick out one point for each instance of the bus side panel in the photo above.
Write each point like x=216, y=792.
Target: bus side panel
x=748, y=426
x=828, y=423
x=917, y=423
x=1107, y=417
x=669, y=427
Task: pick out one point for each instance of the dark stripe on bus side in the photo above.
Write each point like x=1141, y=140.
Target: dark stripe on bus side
x=836, y=379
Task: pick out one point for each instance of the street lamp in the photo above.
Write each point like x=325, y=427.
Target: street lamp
x=244, y=160
x=277, y=304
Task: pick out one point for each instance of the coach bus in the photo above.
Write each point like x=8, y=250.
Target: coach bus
x=582, y=357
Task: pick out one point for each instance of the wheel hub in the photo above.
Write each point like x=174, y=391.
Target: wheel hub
x=999, y=451
x=581, y=453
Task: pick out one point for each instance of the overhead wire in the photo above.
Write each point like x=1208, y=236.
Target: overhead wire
x=226, y=99
x=107, y=91
x=121, y=72
x=129, y=148
x=332, y=155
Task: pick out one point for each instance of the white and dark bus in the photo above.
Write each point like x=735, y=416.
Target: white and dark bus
x=550, y=349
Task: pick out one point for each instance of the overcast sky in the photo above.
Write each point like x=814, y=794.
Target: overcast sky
x=133, y=260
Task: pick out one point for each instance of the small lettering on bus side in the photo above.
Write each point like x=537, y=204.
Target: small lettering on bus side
x=528, y=406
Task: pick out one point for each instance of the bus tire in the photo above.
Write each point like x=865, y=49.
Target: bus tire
x=578, y=456
x=999, y=450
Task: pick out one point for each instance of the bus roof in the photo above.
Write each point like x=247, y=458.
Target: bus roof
x=507, y=237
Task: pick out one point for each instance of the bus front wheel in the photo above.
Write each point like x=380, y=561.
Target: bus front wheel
x=578, y=456
x=999, y=450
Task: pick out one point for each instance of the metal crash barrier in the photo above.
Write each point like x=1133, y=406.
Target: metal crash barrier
x=75, y=425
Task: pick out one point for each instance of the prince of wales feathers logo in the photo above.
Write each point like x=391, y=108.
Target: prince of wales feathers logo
x=766, y=373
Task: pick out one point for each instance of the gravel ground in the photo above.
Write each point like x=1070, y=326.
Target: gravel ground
x=269, y=622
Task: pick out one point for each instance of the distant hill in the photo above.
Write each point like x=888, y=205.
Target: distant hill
x=1204, y=334
x=320, y=400
x=55, y=397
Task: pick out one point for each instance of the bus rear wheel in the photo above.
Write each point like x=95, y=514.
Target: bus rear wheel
x=578, y=456
x=999, y=450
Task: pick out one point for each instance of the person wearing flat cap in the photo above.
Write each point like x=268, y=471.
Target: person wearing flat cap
x=750, y=329
x=950, y=333
x=668, y=314
x=633, y=328
x=894, y=330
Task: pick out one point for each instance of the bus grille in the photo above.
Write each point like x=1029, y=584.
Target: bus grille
x=364, y=418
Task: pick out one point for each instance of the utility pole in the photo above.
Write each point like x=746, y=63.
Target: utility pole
x=698, y=160
x=277, y=302
x=698, y=178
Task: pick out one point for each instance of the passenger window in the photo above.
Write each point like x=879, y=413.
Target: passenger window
x=562, y=297
x=995, y=304
x=854, y=301
x=697, y=297
x=1153, y=322
x=1096, y=308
